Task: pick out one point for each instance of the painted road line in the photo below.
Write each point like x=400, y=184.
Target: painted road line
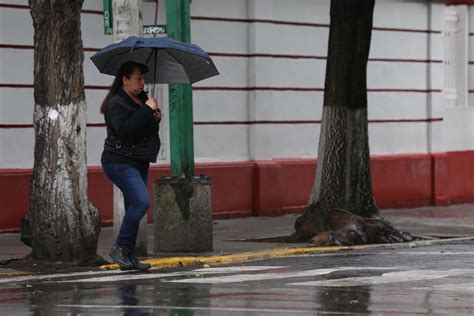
x=404, y=253
x=452, y=287
x=236, y=310
x=390, y=277
x=432, y=253
x=118, y=278
x=271, y=276
x=52, y=277
x=236, y=269
x=55, y=276
x=278, y=253
x=254, y=277
x=196, y=273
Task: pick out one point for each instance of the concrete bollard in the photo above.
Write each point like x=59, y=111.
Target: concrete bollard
x=182, y=219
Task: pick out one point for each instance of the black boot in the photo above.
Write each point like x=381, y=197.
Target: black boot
x=120, y=256
x=137, y=265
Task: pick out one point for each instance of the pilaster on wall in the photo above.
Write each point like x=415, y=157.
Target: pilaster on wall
x=282, y=186
x=456, y=40
x=260, y=103
x=458, y=118
x=435, y=101
x=268, y=197
x=440, y=185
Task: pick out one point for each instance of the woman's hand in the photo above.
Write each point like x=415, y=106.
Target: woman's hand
x=151, y=102
x=155, y=107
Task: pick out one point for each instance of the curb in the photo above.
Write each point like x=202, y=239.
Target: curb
x=185, y=261
x=11, y=272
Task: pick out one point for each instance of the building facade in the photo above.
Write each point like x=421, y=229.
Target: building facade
x=256, y=125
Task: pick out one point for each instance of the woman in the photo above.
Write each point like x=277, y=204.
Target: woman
x=132, y=142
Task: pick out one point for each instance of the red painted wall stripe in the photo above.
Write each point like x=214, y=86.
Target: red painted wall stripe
x=27, y=7
x=15, y=126
x=267, y=21
x=14, y=6
x=16, y=85
x=96, y=12
x=300, y=89
x=394, y=60
x=273, y=56
x=303, y=24
x=238, y=188
x=296, y=122
x=307, y=89
x=287, y=56
x=204, y=88
x=16, y=46
x=394, y=29
x=260, y=122
x=31, y=47
x=30, y=86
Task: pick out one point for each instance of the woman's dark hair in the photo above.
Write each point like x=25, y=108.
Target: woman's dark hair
x=125, y=70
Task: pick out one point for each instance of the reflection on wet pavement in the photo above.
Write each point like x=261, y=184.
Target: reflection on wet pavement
x=424, y=280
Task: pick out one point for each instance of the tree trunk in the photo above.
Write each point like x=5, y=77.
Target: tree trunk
x=343, y=173
x=343, y=177
x=342, y=202
x=64, y=225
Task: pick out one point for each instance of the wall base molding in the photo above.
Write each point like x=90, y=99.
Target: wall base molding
x=279, y=186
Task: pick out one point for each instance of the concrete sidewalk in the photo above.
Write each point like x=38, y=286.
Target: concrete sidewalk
x=446, y=221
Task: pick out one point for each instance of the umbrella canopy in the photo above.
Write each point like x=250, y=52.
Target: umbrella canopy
x=168, y=60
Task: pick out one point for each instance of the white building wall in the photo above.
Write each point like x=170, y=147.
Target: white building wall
x=243, y=116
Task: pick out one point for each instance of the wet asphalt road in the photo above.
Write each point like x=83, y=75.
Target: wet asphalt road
x=422, y=280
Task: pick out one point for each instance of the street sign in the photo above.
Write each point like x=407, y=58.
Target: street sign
x=107, y=17
x=154, y=29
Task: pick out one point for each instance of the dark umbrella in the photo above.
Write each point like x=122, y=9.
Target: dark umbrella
x=168, y=60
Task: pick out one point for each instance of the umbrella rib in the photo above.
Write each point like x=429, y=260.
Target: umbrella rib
x=148, y=60
x=154, y=68
x=149, y=56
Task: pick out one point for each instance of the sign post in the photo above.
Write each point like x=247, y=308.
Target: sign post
x=107, y=17
x=183, y=208
x=180, y=97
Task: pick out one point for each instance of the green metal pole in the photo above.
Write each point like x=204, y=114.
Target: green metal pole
x=180, y=97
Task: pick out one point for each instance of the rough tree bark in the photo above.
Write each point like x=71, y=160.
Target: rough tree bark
x=64, y=225
x=342, y=209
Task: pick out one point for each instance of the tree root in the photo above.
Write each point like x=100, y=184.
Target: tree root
x=330, y=227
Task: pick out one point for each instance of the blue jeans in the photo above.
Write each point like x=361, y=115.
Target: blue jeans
x=132, y=182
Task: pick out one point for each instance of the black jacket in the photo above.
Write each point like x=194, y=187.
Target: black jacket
x=132, y=131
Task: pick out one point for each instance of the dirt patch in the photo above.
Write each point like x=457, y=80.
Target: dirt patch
x=28, y=264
